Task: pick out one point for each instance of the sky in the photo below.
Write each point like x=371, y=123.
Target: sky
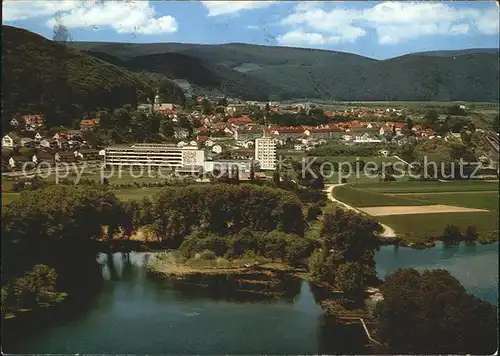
x=374, y=29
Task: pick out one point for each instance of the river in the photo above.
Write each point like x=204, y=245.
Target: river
x=137, y=313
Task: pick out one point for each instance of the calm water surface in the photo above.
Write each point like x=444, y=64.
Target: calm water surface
x=137, y=313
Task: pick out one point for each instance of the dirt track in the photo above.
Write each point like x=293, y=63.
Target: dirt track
x=388, y=232
x=421, y=209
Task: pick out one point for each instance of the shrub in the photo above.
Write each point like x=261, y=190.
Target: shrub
x=313, y=212
x=296, y=249
x=451, y=235
x=206, y=255
x=471, y=233
x=343, y=180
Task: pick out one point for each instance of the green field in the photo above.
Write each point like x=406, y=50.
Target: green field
x=136, y=193
x=364, y=198
x=424, y=227
x=427, y=187
x=472, y=199
x=420, y=228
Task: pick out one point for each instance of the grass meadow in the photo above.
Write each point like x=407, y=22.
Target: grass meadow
x=419, y=228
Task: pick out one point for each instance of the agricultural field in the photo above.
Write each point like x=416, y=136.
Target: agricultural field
x=422, y=226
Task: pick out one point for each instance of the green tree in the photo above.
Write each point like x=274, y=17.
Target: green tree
x=313, y=212
x=206, y=107
x=222, y=102
x=167, y=128
x=350, y=279
x=431, y=313
x=430, y=119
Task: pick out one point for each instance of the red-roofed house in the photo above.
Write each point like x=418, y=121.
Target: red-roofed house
x=284, y=133
x=34, y=122
x=326, y=133
x=88, y=124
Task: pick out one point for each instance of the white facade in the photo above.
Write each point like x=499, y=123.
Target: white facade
x=154, y=155
x=217, y=149
x=7, y=141
x=244, y=166
x=265, y=153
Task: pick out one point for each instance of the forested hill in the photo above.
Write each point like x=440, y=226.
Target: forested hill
x=40, y=75
x=197, y=71
x=469, y=75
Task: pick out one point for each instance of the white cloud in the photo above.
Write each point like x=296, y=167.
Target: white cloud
x=489, y=22
x=393, y=22
x=14, y=10
x=123, y=16
x=217, y=8
x=300, y=38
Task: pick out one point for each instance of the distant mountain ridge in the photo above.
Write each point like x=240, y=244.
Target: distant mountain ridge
x=458, y=52
x=255, y=72
x=286, y=73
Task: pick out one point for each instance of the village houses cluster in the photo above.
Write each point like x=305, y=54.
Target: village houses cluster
x=222, y=136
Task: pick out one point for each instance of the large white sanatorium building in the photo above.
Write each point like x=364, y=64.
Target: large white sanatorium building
x=154, y=155
x=265, y=153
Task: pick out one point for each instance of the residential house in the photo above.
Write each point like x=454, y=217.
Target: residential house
x=145, y=107
x=48, y=143
x=453, y=136
x=285, y=133
x=297, y=147
x=248, y=133
x=27, y=142
x=327, y=133
x=400, y=140
x=88, y=124
x=200, y=139
x=8, y=141
x=245, y=143
x=365, y=137
x=392, y=127
x=14, y=122
x=363, y=131
x=384, y=153
x=236, y=109
x=62, y=143
x=217, y=149
x=241, y=121
x=38, y=137
x=34, y=122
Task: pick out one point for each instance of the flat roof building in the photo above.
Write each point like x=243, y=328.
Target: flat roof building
x=265, y=153
x=165, y=155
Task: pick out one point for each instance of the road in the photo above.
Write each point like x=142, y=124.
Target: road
x=388, y=232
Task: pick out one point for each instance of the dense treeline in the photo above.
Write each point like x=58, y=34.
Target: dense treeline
x=346, y=259
x=41, y=76
x=431, y=313
x=128, y=125
x=223, y=209
x=57, y=228
x=276, y=245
